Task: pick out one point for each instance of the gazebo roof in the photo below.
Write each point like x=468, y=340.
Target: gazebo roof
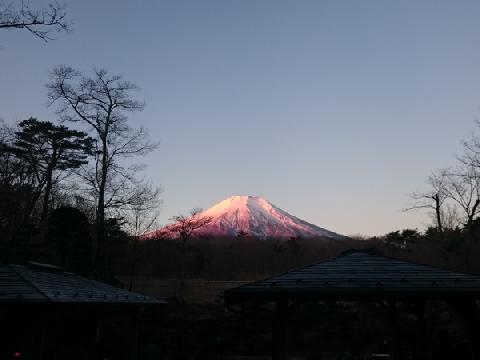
x=40, y=283
x=357, y=275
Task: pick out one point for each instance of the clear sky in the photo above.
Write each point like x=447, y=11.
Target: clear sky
x=332, y=110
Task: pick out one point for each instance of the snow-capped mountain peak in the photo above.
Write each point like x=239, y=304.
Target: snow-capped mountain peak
x=256, y=217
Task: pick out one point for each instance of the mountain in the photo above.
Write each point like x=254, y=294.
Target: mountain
x=256, y=217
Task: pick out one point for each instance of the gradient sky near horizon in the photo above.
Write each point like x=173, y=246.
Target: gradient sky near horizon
x=332, y=110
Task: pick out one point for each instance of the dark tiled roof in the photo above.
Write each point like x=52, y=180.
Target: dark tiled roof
x=357, y=275
x=50, y=284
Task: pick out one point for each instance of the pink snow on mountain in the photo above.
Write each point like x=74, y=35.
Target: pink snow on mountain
x=256, y=217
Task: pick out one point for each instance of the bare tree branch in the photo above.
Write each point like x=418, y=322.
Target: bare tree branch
x=40, y=22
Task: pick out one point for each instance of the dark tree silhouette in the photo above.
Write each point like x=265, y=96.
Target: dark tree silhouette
x=183, y=227
x=102, y=102
x=15, y=186
x=454, y=195
x=40, y=22
x=433, y=199
x=405, y=239
x=50, y=152
x=463, y=188
x=69, y=241
x=141, y=218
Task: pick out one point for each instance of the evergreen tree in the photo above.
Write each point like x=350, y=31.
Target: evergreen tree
x=68, y=240
x=49, y=151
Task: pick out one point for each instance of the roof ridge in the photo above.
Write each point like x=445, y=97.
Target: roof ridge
x=286, y=272
x=359, y=275
x=412, y=262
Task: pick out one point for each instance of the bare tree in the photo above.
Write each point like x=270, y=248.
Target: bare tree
x=40, y=22
x=183, y=227
x=462, y=187
x=471, y=151
x=141, y=217
x=433, y=199
x=451, y=190
x=142, y=213
x=454, y=197
x=102, y=102
x=451, y=218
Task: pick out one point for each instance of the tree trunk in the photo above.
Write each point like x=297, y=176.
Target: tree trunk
x=46, y=199
x=181, y=290
x=134, y=262
x=438, y=214
x=469, y=236
x=31, y=205
x=99, y=256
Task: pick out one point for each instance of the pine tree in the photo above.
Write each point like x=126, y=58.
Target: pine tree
x=50, y=151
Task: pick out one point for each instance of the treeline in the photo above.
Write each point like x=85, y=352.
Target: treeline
x=452, y=198
x=70, y=193
x=240, y=258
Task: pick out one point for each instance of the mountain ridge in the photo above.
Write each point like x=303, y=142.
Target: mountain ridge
x=254, y=216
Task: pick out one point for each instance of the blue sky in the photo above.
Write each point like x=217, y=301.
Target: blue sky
x=332, y=110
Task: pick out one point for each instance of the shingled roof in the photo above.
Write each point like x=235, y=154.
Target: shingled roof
x=38, y=283
x=360, y=275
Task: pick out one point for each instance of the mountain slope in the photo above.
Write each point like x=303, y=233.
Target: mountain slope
x=257, y=217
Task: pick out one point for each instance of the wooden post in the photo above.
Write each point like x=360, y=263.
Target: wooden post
x=280, y=330
x=43, y=335
x=467, y=309
x=419, y=309
x=392, y=312
x=134, y=329
x=98, y=325
x=471, y=318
